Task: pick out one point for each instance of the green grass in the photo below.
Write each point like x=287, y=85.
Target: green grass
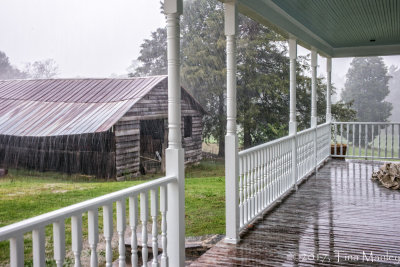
x=26, y=194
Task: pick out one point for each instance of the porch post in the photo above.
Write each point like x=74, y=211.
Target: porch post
x=314, y=58
x=292, y=57
x=292, y=113
x=231, y=141
x=174, y=154
x=328, y=88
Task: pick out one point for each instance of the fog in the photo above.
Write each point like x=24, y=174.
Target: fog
x=97, y=38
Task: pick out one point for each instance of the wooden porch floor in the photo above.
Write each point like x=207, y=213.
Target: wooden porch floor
x=338, y=217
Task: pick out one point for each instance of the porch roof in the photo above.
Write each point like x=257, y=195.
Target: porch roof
x=336, y=28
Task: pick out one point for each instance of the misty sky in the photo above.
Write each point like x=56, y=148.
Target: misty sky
x=94, y=38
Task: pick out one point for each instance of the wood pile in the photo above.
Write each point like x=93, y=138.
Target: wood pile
x=388, y=175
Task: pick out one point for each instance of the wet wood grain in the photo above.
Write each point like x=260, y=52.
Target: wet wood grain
x=336, y=218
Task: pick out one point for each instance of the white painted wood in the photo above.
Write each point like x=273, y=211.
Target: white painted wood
x=144, y=210
x=121, y=226
x=38, y=247
x=76, y=233
x=231, y=141
x=174, y=154
x=154, y=232
x=314, y=65
x=59, y=242
x=108, y=231
x=17, y=251
x=93, y=227
x=176, y=208
x=292, y=57
x=328, y=89
x=164, y=209
x=133, y=222
x=28, y=225
x=14, y=232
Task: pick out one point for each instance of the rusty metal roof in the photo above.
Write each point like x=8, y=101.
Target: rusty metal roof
x=49, y=107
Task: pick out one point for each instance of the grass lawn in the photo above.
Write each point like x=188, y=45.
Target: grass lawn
x=27, y=194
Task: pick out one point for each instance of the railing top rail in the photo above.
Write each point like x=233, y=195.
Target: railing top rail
x=276, y=141
x=265, y=145
x=323, y=125
x=363, y=122
x=30, y=224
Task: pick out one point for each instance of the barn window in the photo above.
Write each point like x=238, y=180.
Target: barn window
x=187, y=123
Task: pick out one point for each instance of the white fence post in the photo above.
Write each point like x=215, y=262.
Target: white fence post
x=231, y=142
x=174, y=155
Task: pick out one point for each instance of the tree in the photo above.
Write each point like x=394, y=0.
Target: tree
x=45, y=69
x=394, y=95
x=153, y=56
x=7, y=71
x=367, y=85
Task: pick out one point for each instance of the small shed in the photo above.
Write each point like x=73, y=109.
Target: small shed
x=104, y=127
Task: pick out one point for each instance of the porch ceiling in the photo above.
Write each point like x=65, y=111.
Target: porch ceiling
x=336, y=28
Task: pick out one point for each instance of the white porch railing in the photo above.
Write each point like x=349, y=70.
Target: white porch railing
x=266, y=171
x=369, y=140
x=157, y=189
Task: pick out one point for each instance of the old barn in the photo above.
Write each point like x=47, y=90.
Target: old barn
x=104, y=127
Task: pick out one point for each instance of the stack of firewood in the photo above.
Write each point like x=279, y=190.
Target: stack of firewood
x=388, y=175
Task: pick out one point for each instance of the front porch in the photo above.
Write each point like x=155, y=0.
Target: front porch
x=333, y=219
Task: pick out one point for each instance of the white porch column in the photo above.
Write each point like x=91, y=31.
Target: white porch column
x=328, y=89
x=174, y=154
x=292, y=113
x=231, y=141
x=292, y=57
x=314, y=64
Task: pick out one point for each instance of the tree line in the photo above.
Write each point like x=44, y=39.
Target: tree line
x=39, y=69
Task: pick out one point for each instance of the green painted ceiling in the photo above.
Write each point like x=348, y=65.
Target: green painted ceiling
x=335, y=28
x=344, y=23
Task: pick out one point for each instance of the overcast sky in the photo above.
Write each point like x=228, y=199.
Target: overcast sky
x=94, y=38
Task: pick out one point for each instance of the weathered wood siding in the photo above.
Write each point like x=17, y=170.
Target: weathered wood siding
x=154, y=106
x=92, y=154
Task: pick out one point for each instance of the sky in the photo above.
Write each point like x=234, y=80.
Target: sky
x=96, y=38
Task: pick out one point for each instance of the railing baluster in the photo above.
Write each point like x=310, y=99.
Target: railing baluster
x=38, y=246
x=265, y=155
x=59, y=242
x=163, y=209
x=121, y=226
x=366, y=141
x=246, y=188
x=386, y=140
x=17, y=251
x=347, y=136
x=341, y=139
x=335, y=139
x=373, y=142
x=359, y=139
x=108, y=231
x=133, y=221
x=252, y=186
x=76, y=233
x=354, y=139
x=379, y=141
x=93, y=225
x=392, y=141
x=143, y=218
x=154, y=213
x=241, y=192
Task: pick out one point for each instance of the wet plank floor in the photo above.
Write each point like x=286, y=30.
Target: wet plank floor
x=337, y=218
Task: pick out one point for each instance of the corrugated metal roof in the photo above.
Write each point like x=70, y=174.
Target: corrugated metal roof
x=49, y=107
